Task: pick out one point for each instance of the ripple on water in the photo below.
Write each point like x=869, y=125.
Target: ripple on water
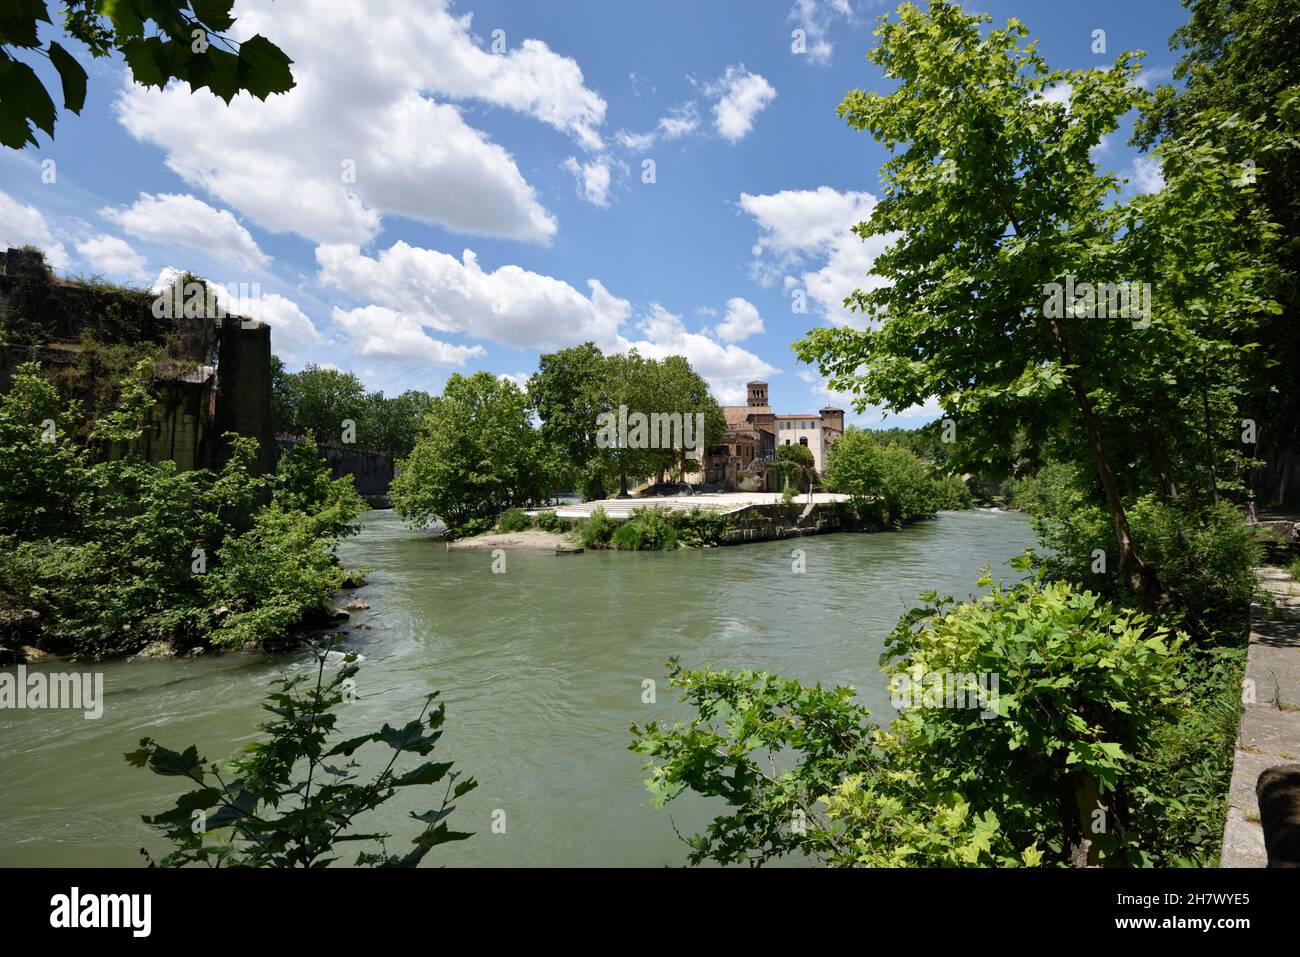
x=542, y=668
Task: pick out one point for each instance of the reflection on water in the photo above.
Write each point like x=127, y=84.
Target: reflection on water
x=542, y=670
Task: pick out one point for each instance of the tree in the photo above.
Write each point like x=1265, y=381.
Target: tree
x=679, y=388
x=796, y=460
x=1238, y=58
x=574, y=387
x=853, y=465
x=319, y=399
x=397, y=420
x=477, y=456
x=157, y=553
x=568, y=392
x=991, y=198
x=160, y=40
x=258, y=815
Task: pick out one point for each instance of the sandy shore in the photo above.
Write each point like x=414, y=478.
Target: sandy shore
x=533, y=539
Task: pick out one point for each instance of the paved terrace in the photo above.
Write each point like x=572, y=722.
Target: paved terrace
x=721, y=502
x=1270, y=724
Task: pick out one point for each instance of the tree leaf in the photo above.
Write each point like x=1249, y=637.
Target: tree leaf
x=72, y=75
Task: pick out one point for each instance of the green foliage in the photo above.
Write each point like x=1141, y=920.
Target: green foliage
x=598, y=530
x=469, y=528
x=567, y=393
x=992, y=195
x=699, y=526
x=904, y=486
x=1235, y=61
x=513, y=520
x=575, y=388
x=649, y=529
x=799, y=455
x=795, y=466
x=316, y=400
x=1206, y=555
x=1013, y=779
x=951, y=493
x=1183, y=795
x=292, y=799
x=156, y=553
x=926, y=442
x=160, y=41
x=549, y=522
x=477, y=456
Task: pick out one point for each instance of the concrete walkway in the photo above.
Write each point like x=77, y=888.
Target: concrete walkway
x=721, y=502
x=1270, y=723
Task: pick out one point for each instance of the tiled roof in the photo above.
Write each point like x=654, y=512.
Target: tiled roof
x=737, y=416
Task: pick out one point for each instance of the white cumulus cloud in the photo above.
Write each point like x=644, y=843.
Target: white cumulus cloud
x=740, y=322
x=815, y=18
x=510, y=305
x=172, y=219
x=593, y=179
x=383, y=333
x=22, y=225
x=372, y=127
x=111, y=255
x=1145, y=174
x=806, y=234
x=725, y=367
x=741, y=95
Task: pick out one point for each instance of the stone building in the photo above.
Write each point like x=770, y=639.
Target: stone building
x=754, y=432
x=210, y=376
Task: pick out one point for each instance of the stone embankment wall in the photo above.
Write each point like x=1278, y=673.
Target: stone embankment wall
x=762, y=523
x=371, y=472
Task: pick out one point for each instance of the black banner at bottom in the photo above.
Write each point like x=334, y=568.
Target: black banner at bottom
x=359, y=906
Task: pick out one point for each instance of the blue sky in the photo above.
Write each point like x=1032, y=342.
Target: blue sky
x=497, y=208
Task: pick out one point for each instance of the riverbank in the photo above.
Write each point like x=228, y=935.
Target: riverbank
x=533, y=539
x=542, y=668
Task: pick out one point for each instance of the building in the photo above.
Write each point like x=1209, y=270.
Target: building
x=754, y=432
x=211, y=375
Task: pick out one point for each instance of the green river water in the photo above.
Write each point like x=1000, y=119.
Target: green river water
x=541, y=669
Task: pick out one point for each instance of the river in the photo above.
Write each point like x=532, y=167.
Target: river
x=542, y=669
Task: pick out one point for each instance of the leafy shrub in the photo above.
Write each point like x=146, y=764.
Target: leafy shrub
x=649, y=529
x=951, y=493
x=700, y=526
x=1206, y=555
x=259, y=813
x=549, y=522
x=513, y=520
x=469, y=528
x=789, y=494
x=1082, y=689
x=1181, y=795
x=798, y=454
x=857, y=465
x=117, y=551
x=597, y=530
